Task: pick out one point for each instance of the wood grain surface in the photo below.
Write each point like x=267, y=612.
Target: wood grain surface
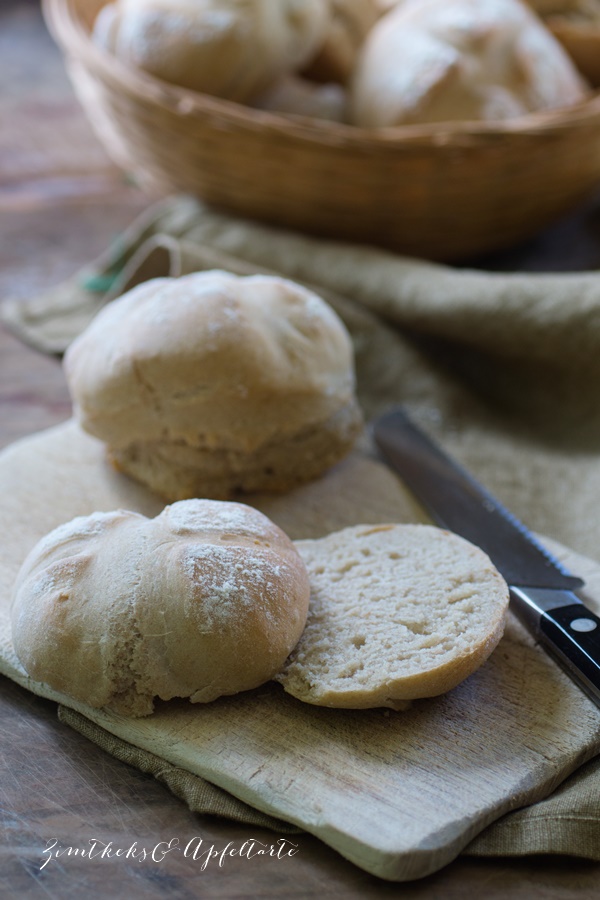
x=61, y=201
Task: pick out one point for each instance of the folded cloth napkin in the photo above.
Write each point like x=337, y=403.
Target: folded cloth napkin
x=502, y=369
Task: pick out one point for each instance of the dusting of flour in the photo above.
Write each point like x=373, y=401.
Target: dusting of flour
x=229, y=589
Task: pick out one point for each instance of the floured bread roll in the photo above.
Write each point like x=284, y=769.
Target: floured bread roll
x=350, y=22
x=460, y=60
x=115, y=609
x=397, y=612
x=229, y=48
x=210, y=384
x=301, y=97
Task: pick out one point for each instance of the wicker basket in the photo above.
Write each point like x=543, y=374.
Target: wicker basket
x=433, y=191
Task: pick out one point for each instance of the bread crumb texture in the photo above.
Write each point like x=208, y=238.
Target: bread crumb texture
x=397, y=612
x=115, y=609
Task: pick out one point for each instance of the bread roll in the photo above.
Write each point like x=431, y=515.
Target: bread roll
x=115, y=609
x=229, y=48
x=301, y=97
x=460, y=60
x=210, y=384
x=397, y=612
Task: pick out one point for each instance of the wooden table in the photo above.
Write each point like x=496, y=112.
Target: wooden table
x=61, y=200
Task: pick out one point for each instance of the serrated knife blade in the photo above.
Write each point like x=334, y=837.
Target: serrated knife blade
x=542, y=591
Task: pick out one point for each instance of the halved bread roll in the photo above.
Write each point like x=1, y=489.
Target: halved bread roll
x=397, y=612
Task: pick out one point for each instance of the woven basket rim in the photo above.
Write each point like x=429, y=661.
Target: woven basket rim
x=65, y=25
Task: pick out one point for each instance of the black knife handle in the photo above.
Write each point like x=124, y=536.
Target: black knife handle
x=572, y=633
x=566, y=628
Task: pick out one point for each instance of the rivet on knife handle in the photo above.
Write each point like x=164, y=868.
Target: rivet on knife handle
x=542, y=591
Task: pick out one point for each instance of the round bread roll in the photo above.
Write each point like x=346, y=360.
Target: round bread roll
x=301, y=97
x=460, y=60
x=115, y=609
x=397, y=612
x=229, y=48
x=210, y=384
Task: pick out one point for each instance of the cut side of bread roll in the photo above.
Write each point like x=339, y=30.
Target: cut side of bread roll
x=397, y=612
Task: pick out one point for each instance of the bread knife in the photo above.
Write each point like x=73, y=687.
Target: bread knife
x=543, y=593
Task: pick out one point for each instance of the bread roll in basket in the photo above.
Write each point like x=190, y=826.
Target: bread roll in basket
x=445, y=192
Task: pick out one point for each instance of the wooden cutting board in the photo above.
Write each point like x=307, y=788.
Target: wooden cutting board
x=399, y=794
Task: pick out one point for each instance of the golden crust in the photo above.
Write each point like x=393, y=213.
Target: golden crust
x=115, y=609
x=460, y=60
x=228, y=48
x=210, y=384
